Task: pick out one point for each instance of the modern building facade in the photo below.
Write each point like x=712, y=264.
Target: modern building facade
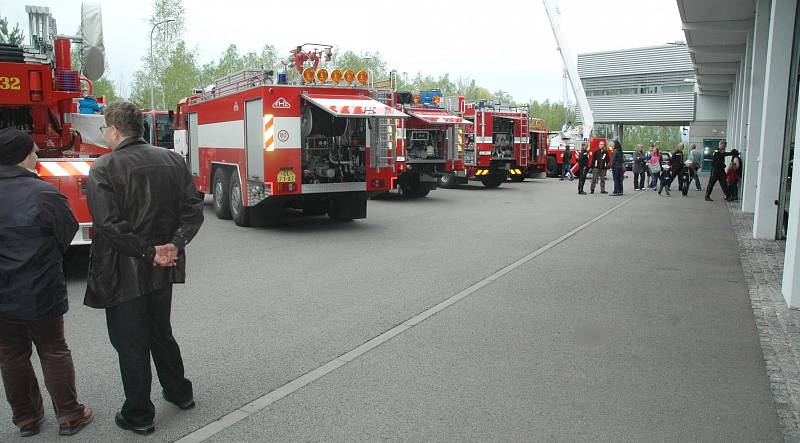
x=640, y=86
x=745, y=56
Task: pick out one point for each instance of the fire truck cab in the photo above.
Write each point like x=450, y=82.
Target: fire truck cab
x=427, y=142
x=159, y=128
x=496, y=144
x=322, y=145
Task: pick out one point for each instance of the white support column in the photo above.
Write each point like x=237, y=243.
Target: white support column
x=791, y=260
x=734, y=137
x=744, y=120
x=758, y=64
x=776, y=96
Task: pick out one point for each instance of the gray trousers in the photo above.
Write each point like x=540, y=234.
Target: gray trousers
x=601, y=174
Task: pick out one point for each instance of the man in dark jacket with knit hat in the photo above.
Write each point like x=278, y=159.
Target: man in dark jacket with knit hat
x=36, y=228
x=145, y=210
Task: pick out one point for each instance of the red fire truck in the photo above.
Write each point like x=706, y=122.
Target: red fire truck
x=496, y=144
x=322, y=145
x=538, y=143
x=38, y=93
x=426, y=142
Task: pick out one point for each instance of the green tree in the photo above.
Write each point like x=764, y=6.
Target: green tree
x=166, y=37
x=471, y=91
x=181, y=75
x=105, y=87
x=13, y=37
x=665, y=137
x=553, y=113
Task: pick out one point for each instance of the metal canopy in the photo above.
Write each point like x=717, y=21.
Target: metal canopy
x=437, y=117
x=357, y=106
x=716, y=35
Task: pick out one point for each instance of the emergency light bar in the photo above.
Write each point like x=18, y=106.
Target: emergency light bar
x=321, y=75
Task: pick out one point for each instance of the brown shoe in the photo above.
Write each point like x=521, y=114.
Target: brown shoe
x=75, y=426
x=31, y=429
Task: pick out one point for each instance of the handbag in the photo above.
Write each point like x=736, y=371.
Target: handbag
x=655, y=168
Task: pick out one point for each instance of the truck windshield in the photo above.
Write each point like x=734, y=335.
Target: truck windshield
x=164, y=131
x=148, y=128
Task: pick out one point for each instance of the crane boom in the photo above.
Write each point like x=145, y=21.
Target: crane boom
x=572, y=70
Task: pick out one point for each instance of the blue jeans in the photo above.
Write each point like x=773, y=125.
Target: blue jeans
x=565, y=167
x=696, y=178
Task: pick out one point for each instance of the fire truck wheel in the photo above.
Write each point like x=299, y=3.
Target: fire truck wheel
x=409, y=191
x=491, y=182
x=222, y=201
x=240, y=213
x=446, y=181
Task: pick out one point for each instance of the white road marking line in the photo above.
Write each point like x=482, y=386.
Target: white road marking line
x=230, y=419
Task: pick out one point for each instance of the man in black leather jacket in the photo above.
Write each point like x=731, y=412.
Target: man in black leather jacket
x=718, y=171
x=599, y=168
x=145, y=210
x=583, y=168
x=36, y=228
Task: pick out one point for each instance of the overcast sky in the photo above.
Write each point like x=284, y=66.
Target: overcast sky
x=506, y=45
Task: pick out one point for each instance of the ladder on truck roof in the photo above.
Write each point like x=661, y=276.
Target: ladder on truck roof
x=233, y=83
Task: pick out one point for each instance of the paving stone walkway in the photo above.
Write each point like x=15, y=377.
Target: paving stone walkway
x=778, y=325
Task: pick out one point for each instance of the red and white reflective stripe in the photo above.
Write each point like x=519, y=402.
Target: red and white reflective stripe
x=269, y=132
x=64, y=169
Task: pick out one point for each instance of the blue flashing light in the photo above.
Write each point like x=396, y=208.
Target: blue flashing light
x=426, y=97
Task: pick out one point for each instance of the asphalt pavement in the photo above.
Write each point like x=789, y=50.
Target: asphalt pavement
x=541, y=315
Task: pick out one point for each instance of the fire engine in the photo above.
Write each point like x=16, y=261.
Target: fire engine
x=427, y=142
x=496, y=144
x=320, y=143
x=38, y=93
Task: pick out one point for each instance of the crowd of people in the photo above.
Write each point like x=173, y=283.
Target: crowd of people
x=145, y=210
x=655, y=171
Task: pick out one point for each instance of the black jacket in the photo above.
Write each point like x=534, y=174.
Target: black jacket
x=718, y=162
x=617, y=159
x=36, y=228
x=676, y=162
x=567, y=155
x=583, y=159
x=600, y=159
x=139, y=197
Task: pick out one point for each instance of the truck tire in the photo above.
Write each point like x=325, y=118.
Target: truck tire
x=222, y=199
x=406, y=190
x=447, y=181
x=239, y=212
x=552, y=166
x=423, y=193
x=491, y=181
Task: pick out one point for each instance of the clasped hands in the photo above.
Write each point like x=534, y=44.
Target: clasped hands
x=166, y=255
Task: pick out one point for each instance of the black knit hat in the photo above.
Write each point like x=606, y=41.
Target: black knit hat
x=15, y=145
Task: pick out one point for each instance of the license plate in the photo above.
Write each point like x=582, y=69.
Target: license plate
x=286, y=176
